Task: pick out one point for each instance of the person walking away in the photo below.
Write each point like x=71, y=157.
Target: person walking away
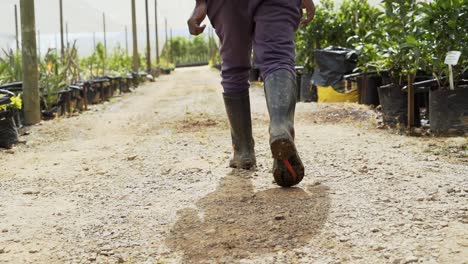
x=267, y=26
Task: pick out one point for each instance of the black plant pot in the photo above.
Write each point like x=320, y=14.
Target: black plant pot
x=368, y=89
x=8, y=129
x=448, y=111
x=394, y=105
x=307, y=92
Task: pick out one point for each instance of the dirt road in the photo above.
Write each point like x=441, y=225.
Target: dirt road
x=144, y=179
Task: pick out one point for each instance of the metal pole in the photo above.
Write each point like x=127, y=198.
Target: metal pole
x=61, y=29
x=167, y=42
x=148, y=43
x=172, y=52
x=105, y=42
x=56, y=45
x=39, y=44
x=16, y=28
x=32, y=108
x=105, y=33
x=157, y=33
x=94, y=41
x=136, y=63
x=126, y=41
x=66, y=33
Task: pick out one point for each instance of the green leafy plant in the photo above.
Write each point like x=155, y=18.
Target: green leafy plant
x=11, y=67
x=322, y=32
x=445, y=27
x=56, y=73
x=181, y=50
x=16, y=103
x=401, y=49
x=352, y=25
x=94, y=65
x=118, y=62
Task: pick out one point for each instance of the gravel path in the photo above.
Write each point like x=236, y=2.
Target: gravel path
x=144, y=179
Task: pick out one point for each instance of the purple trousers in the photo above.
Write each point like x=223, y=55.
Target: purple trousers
x=267, y=26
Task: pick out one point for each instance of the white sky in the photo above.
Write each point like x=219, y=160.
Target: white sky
x=86, y=15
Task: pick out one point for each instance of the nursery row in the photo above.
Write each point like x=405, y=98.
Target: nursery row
x=406, y=55
x=73, y=98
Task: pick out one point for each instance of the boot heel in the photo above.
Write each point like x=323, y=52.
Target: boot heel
x=282, y=148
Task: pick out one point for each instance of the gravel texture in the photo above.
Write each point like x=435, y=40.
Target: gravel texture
x=144, y=179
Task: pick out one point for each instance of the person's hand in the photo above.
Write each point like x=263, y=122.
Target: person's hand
x=198, y=15
x=309, y=6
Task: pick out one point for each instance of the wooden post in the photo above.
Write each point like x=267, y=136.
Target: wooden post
x=148, y=42
x=16, y=28
x=136, y=60
x=411, y=104
x=157, y=33
x=32, y=109
x=62, y=43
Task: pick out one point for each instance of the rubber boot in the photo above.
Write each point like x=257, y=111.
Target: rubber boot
x=280, y=93
x=238, y=111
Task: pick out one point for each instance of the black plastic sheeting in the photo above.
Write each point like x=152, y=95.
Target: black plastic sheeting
x=332, y=64
x=448, y=110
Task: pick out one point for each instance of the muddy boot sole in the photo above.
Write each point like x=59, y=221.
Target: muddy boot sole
x=288, y=172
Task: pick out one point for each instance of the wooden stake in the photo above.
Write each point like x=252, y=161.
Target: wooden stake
x=411, y=102
x=32, y=109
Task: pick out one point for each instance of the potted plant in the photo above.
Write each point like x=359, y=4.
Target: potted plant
x=322, y=32
x=445, y=25
x=401, y=54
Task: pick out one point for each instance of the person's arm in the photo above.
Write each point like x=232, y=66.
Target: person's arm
x=310, y=11
x=198, y=15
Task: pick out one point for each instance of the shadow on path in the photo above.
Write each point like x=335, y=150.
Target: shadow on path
x=235, y=222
